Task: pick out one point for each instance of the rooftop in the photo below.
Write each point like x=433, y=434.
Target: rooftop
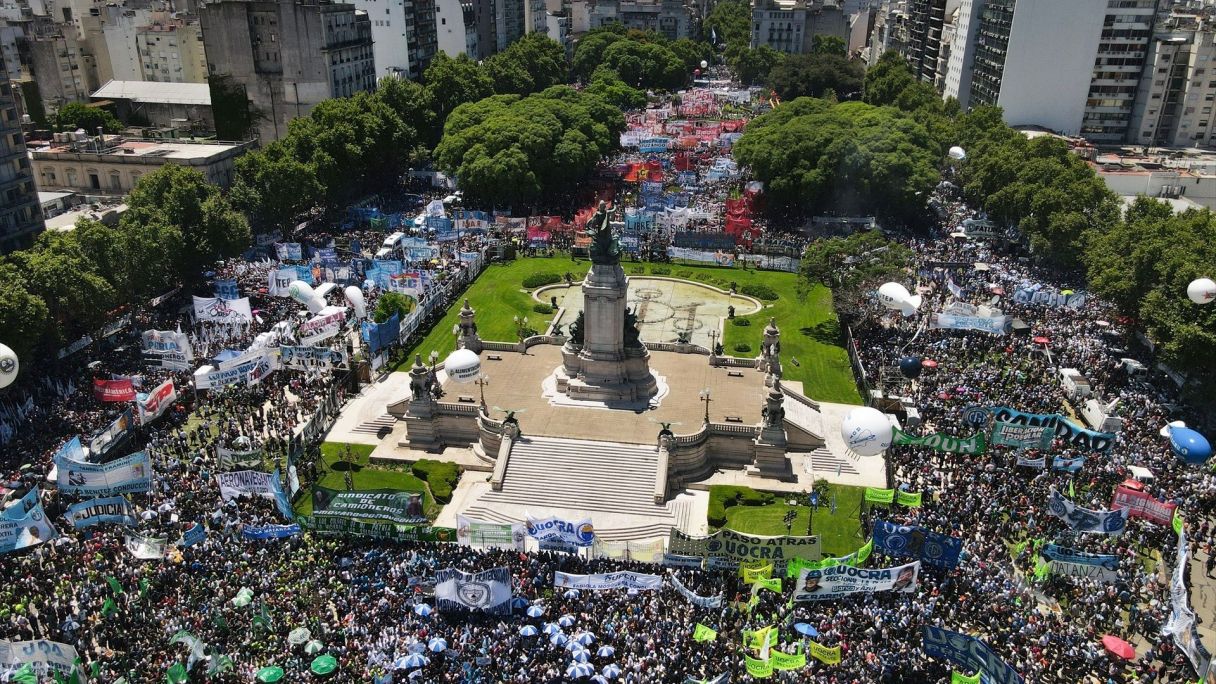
x=118, y=146
x=156, y=92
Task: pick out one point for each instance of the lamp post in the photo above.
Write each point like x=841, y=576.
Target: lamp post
x=713, y=341
x=790, y=516
x=706, y=398
x=481, y=383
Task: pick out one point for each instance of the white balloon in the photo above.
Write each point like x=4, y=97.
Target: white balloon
x=301, y=291
x=957, y=152
x=1202, y=290
x=315, y=304
x=866, y=431
x=354, y=296
x=463, y=365
x=8, y=365
x=893, y=295
x=704, y=64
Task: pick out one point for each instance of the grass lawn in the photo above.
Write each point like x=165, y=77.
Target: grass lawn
x=366, y=476
x=840, y=531
x=810, y=331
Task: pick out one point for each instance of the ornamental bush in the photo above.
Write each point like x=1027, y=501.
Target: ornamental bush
x=541, y=279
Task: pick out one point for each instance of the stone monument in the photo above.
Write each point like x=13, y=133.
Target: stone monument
x=604, y=360
x=466, y=329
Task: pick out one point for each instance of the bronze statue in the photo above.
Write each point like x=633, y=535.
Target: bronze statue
x=604, y=247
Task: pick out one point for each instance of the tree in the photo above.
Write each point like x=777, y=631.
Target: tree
x=608, y=86
x=645, y=65
x=57, y=271
x=23, y=315
x=75, y=115
x=752, y=65
x=412, y=103
x=390, y=303
x=451, y=82
x=730, y=22
x=530, y=64
x=829, y=45
x=589, y=54
x=273, y=187
x=891, y=83
x=692, y=53
x=815, y=75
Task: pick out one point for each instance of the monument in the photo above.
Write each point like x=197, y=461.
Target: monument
x=604, y=360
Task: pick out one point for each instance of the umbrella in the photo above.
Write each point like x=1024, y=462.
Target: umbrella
x=611, y=671
x=269, y=674
x=571, y=593
x=606, y=652
x=558, y=639
x=566, y=620
x=580, y=656
x=423, y=609
x=584, y=638
x=551, y=629
x=806, y=628
x=519, y=602
x=535, y=611
x=573, y=645
x=412, y=661
x=528, y=630
x=579, y=671
x=437, y=645
x=1104, y=324
x=298, y=636
x=313, y=646
x=1118, y=647
x=928, y=363
x=599, y=679
x=324, y=665
x=1041, y=340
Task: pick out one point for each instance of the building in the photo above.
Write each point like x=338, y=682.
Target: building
x=170, y=107
x=961, y=56
x=670, y=18
x=404, y=34
x=791, y=25
x=58, y=67
x=171, y=50
x=119, y=36
x=20, y=212
x=1175, y=99
x=288, y=55
x=111, y=165
x=925, y=22
x=450, y=27
x=1073, y=67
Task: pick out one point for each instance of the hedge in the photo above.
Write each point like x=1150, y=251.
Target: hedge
x=660, y=270
x=541, y=279
x=743, y=347
x=759, y=291
x=440, y=476
x=741, y=322
x=722, y=497
x=542, y=309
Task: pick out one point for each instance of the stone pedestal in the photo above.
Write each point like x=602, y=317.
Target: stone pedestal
x=468, y=329
x=770, y=445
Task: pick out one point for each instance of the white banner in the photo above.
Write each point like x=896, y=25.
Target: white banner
x=470, y=532
x=280, y=282
x=561, y=534
x=227, y=459
x=695, y=599
x=322, y=326
x=997, y=325
x=156, y=402
x=246, y=483
x=41, y=655
x=841, y=580
x=486, y=592
x=222, y=310
x=132, y=473
x=167, y=349
x=145, y=548
x=251, y=372
x=312, y=358
x=611, y=580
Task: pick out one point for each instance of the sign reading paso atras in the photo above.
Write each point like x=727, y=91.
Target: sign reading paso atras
x=736, y=546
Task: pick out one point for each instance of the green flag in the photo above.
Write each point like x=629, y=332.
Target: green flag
x=880, y=496
x=864, y=552
x=177, y=674
x=1072, y=490
x=909, y=499
x=95, y=669
x=25, y=675
x=1020, y=547
x=773, y=584
x=1041, y=568
x=143, y=588
x=262, y=619
x=219, y=663
x=108, y=608
x=1177, y=522
x=957, y=678
x=115, y=585
x=703, y=633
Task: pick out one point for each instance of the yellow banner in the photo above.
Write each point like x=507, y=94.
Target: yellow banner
x=751, y=572
x=909, y=499
x=703, y=633
x=785, y=661
x=882, y=496
x=755, y=640
x=773, y=584
x=759, y=669
x=864, y=552
x=831, y=656
x=956, y=678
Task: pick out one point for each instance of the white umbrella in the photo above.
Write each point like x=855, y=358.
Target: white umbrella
x=566, y=620
x=437, y=645
x=528, y=630
x=599, y=679
x=423, y=609
x=558, y=639
x=573, y=645
x=535, y=611
x=611, y=671
x=416, y=647
x=411, y=662
x=571, y=593
x=606, y=652
x=298, y=636
x=313, y=646
x=584, y=638
x=580, y=656
x=579, y=671
x=551, y=629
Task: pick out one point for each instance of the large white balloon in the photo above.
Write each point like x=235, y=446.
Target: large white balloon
x=866, y=431
x=8, y=365
x=301, y=291
x=1202, y=290
x=893, y=295
x=957, y=152
x=463, y=365
x=354, y=296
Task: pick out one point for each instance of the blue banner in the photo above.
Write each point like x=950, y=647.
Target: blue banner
x=380, y=335
x=128, y=474
x=270, y=531
x=114, y=509
x=969, y=653
x=227, y=289
x=280, y=498
x=304, y=273
x=31, y=530
x=1068, y=465
x=1073, y=563
x=910, y=541
x=1075, y=435
x=444, y=227
x=195, y=534
x=21, y=508
x=1084, y=519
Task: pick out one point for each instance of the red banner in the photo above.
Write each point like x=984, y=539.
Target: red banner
x=1143, y=505
x=113, y=390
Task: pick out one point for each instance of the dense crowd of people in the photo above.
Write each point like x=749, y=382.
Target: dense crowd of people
x=246, y=600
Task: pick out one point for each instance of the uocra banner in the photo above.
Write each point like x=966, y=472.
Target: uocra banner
x=934, y=549
x=561, y=535
x=841, y=580
x=1084, y=519
x=939, y=441
x=732, y=547
x=30, y=530
x=612, y=580
x=969, y=653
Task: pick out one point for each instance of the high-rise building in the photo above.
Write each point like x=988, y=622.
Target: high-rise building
x=1175, y=100
x=925, y=20
x=171, y=50
x=513, y=19
x=404, y=35
x=288, y=55
x=20, y=211
x=670, y=18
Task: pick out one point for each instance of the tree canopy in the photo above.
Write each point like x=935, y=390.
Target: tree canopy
x=817, y=75
x=75, y=115
x=530, y=64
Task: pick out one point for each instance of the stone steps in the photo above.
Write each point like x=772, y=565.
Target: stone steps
x=823, y=462
x=375, y=426
x=628, y=533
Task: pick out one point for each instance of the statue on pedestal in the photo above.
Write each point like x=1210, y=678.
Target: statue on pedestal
x=604, y=247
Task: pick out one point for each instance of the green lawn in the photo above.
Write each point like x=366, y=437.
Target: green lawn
x=810, y=333
x=840, y=531
x=366, y=476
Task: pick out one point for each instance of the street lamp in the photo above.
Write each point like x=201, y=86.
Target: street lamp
x=705, y=398
x=790, y=516
x=713, y=341
x=481, y=383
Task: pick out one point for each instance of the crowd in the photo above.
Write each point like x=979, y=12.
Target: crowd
x=245, y=600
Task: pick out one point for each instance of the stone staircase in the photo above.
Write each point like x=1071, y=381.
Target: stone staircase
x=613, y=483
x=374, y=427
x=823, y=462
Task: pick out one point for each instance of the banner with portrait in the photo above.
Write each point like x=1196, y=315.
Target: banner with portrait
x=144, y=547
x=842, y=580
x=126, y=475
x=114, y=433
x=400, y=507
x=312, y=358
x=911, y=541
x=31, y=529
x=218, y=310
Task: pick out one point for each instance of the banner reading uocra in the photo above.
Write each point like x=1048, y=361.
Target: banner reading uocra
x=841, y=580
x=735, y=546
